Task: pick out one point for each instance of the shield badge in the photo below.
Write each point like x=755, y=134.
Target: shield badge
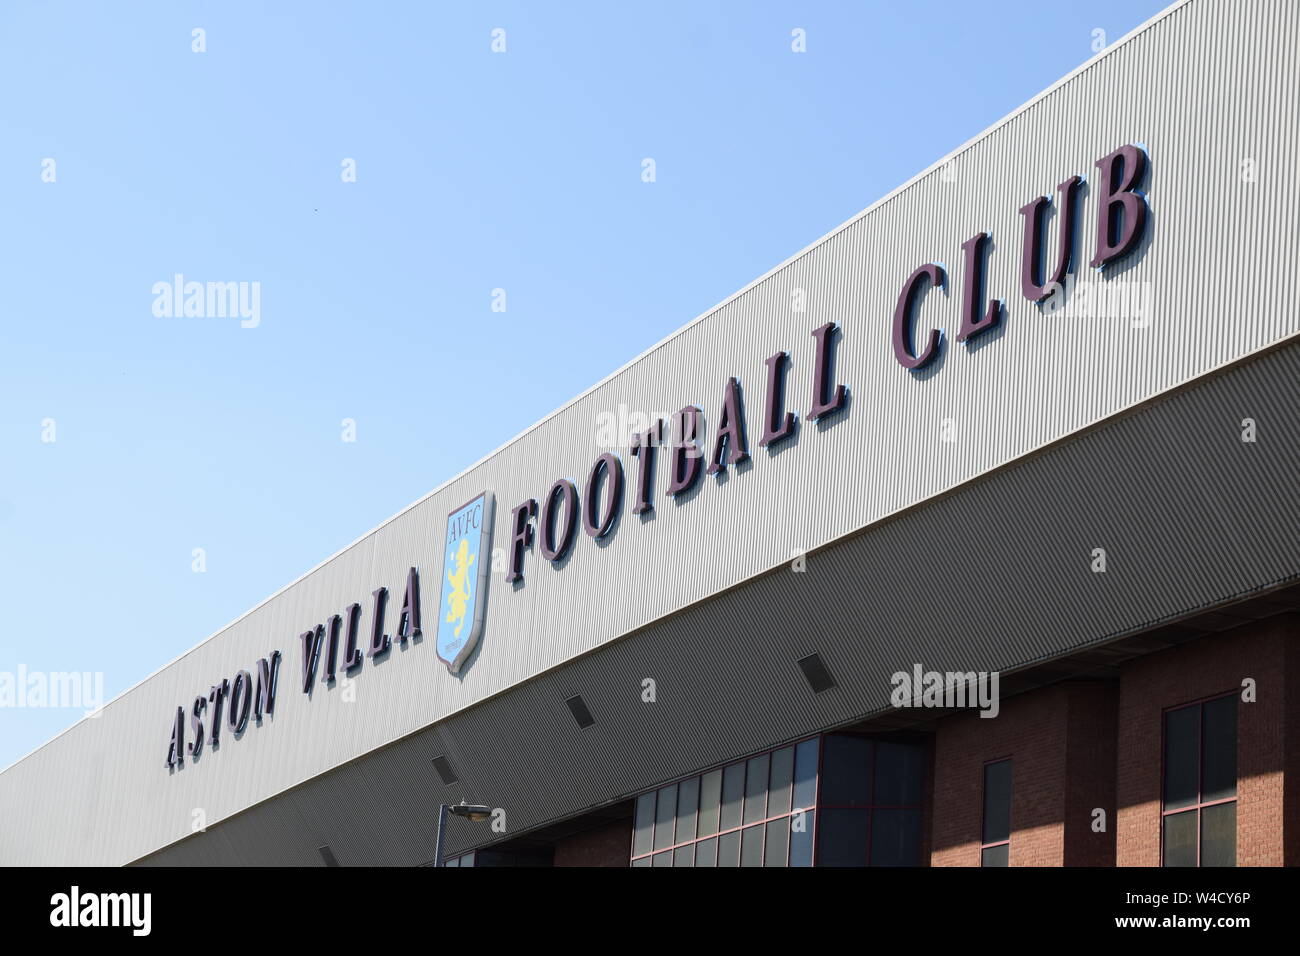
x=466, y=560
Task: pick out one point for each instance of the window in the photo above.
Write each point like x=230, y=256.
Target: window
x=869, y=808
x=995, y=841
x=755, y=812
x=845, y=799
x=1199, y=806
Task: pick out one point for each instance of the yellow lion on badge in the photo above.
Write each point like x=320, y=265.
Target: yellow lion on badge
x=458, y=599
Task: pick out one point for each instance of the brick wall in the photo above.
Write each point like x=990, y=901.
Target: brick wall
x=607, y=845
x=1193, y=671
x=1092, y=724
x=1061, y=741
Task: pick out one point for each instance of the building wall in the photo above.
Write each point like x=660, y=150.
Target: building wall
x=1092, y=726
x=1039, y=379
x=606, y=845
x=1061, y=744
x=1266, y=740
x=1085, y=745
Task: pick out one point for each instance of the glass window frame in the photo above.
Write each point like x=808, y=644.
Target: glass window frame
x=1011, y=789
x=871, y=806
x=1199, y=804
x=745, y=825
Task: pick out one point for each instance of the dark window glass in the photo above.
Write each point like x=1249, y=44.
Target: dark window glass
x=706, y=852
x=759, y=811
x=1182, y=741
x=898, y=775
x=895, y=837
x=995, y=855
x=846, y=771
x=842, y=837
x=665, y=816
x=1180, y=839
x=454, y=861
x=642, y=834
x=756, y=788
x=997, y=801
x=710, y=794
x=688, y=796
x=1200, y=767
x=1218, y=833
x=1219, y=773
x=729, y=849
x=751, y=847
x=778, y=799
x=778, y=842
x=805, y=774
x=733, y=789
x=801, y=838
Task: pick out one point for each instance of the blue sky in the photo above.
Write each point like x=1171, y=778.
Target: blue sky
x=475, y=171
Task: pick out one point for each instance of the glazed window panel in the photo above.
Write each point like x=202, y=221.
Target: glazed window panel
x=1219, y=769
x=995, y=835
x=706, y=852
x=710, y=800
x=842, y=837
x=644, y=825
x=666, y=817
x=688, y=801
x=729, y=848
x=995, y=855
x=751, y=846
x=895, y=837
x=805, y=774
x=776, y=847
x=997, y=801
x=778, y=794
x=1198, y=825
x=756, y=781
x=802, y=827
x=1182, y=737
x=846, y=771
x=733, y=794
x=1180, y=839
x=1219, y=834
x=737, y=815
x=898, y=775
x=777, y=809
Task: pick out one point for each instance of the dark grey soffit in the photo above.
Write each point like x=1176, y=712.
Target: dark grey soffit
x=992, y=576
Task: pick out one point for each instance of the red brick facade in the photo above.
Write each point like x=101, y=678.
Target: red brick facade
x=1203, y=668
x=1087, y=761
x=607, y=845
x=1063, y=733
x=1080, y=746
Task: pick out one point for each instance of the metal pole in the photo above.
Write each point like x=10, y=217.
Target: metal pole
x=442, y=825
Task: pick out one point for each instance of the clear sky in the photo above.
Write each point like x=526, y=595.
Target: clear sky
x=475, y=170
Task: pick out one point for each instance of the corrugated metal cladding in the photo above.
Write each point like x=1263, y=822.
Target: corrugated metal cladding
x=991, y=576
x=1206, y=87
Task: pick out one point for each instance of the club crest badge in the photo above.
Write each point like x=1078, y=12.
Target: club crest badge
x=466, y=560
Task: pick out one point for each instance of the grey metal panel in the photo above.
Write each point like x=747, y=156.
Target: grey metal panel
x=994, y=575
x=1043, y=378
